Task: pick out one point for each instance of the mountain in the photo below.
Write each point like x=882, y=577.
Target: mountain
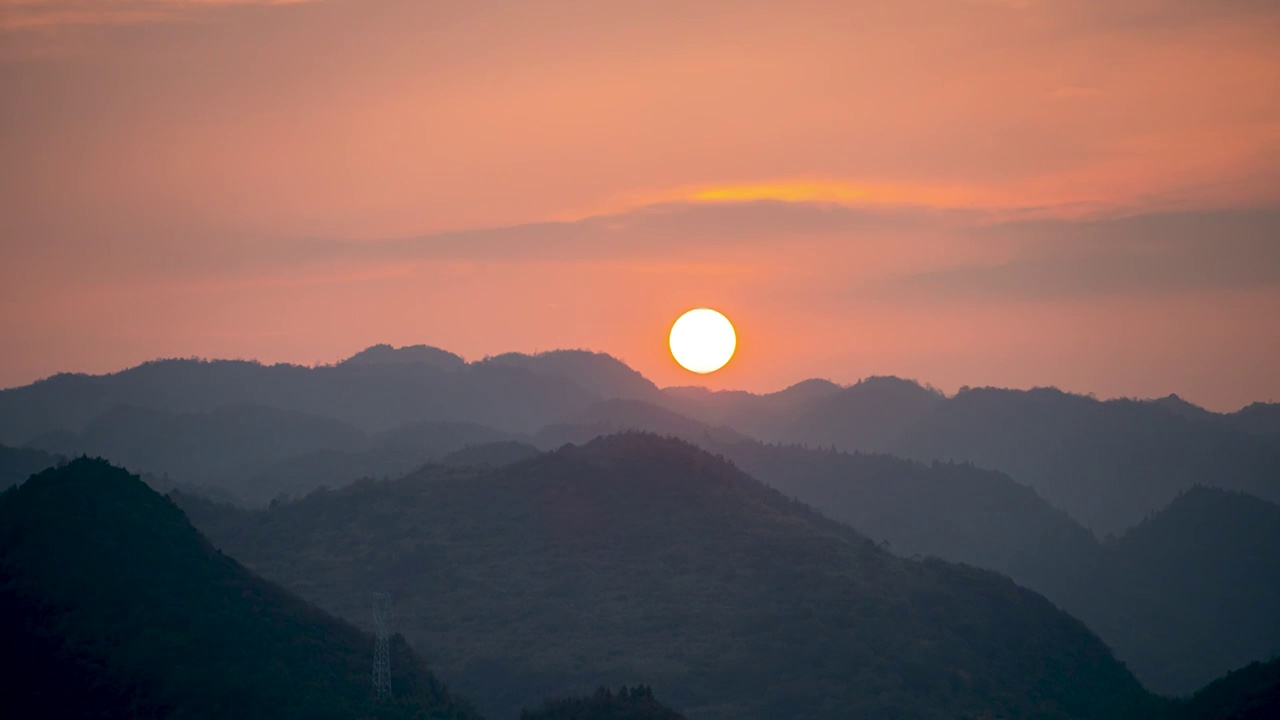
x=388, y=454
x=493, y=454
x=1259, y=418
x=953, y=511
x=371, y=397
x=1190, y=411
x=426, y=355
x=1107, y=464
x=198, y=448
x=756, y=415
x=1182, y=598
x=1190, y=592
x=640, y=557
x=118, y=608
x=610, y=417
x=597, y=373
x=636, y=703
x=870, y=415
x=1250, y=693
x=18, y=464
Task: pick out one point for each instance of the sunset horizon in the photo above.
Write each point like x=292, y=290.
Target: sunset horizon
x=640, y=359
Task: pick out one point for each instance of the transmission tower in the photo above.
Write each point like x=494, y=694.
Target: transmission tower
x=381, y=645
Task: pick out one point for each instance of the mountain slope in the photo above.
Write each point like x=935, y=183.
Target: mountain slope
x=1190, y=592
x=1250, y=693
x=610, y=417
x=636, y=703
x=870, y=415
x=18, y=464
x=637, y=557
x=1108, y=464
x=598, y=373
x=119, y=608
x=372, y=397
x=956, y=512
x=201, y=448
x=1181, y=598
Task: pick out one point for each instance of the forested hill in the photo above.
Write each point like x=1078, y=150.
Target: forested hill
x=636, y=557
x=637, y=703
x=1250, y=693
x=116, y=607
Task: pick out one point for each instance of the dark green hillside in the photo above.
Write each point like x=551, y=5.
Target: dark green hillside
x=637, y=703
x=638, y=557
x=1250, y=693
x=117, y=608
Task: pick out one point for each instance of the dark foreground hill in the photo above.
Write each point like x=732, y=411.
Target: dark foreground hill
x=637, y=703
x=635, y=558
x=116, y=607
x=1250, y=693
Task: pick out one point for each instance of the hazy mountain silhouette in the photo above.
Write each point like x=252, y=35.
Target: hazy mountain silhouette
x=493, y=454
x=756, y=415
x=1108, y=464
x=610, y=417
x=953, y=511
x=1260, y=418
x=202, y=447
x=1189, y=593
x=635, y=556
x=370, y=396
x=388, y=454
x=1182, y=598
x=385, y=354
x=18, y=464
x=1190, y=411
x=116, y=607
x=597, y=373
x=870, y=415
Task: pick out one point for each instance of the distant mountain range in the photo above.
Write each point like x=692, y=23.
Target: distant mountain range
x=1107, y=464
x=1014, y=481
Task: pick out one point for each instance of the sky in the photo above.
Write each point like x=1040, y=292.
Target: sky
x=1080, y=193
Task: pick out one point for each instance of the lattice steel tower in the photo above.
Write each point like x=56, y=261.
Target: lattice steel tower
x=381, y=645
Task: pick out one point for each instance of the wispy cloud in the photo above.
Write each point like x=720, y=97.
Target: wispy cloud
x=31, y=15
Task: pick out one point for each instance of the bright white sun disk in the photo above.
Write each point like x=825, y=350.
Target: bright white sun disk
x=703, y=340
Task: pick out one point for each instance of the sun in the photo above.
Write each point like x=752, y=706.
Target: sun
x=703, y=340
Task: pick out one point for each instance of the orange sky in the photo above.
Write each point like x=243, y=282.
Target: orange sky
x=1072, y=192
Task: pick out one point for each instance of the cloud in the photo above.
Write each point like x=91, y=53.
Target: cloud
x=893, y=253
x=20, y=15
x=1147, y=255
